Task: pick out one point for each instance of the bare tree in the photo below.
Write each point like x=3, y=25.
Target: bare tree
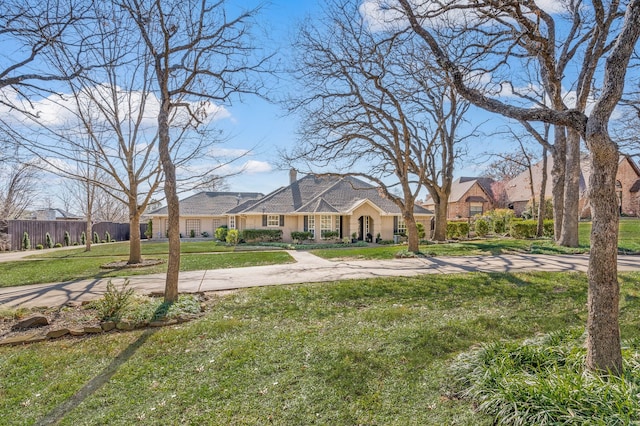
x=603, y=334
x=199, y=54
x=372, y=110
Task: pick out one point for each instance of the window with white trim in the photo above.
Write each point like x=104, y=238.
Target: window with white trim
x=311, y=223
x=326, y=222
x=402, y=225
x=273, y=220
x=232, y=222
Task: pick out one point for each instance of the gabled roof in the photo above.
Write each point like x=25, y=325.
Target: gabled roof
x=461, y=186
x=519, y=188
x=212, y=203
x=323, y=194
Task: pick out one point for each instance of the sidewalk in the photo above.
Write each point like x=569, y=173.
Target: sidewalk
x=308, y=268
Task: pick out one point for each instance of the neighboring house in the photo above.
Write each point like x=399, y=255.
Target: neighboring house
x=53, y=214
x=321, y=203
x=627, y=187
x=202, y=212
x=469, y=196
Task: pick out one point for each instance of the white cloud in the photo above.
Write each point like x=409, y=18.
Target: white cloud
x=255, y=166
x=231, y=153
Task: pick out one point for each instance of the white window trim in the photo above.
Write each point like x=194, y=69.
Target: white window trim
x=273, y=220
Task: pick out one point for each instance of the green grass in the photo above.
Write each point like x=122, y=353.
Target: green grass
x=77, y=265
x=494, y=246
x=345, y=353
x=628, y=243
x=542, y=381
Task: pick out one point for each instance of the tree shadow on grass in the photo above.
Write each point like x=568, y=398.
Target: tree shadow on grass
x=97, y=382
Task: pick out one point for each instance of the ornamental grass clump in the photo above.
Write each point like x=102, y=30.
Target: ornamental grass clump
x=543, y=381
x=114, y=302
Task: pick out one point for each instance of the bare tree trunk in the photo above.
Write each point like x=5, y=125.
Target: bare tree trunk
x=557, y=179
x=440, y=228
x=413, y=242
x=542, y=205
x=135, y=251
x=603, y=335
x=569, y=235
x=173, y=205
x=89, y=231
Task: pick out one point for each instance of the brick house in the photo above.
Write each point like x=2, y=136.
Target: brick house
x=469, y=196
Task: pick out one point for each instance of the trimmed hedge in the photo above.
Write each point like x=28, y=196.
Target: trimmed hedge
x=528, y=228
x=481, y=227
x=262, y=235
x=300, y=237
x=457, y=230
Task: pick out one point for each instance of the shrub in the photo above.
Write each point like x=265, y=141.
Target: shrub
x=547, y=228
x=57, y=245
x=48, y=240
x=96, y=238
x=262, y=235
x=456, y=230
x=300, y=237
x=327, y=234
x=233, y=236
x=192, y=233
x=26, y=242
x=83, y=238
x=149, y=231
x=524, y=229
x=107, y=236
x=114, y=301
x=39, y=247
x=67, y=238
x=221, y=233
x=481, y=227
x=500, y=220
x=75, y=243
x=204, y=234
x=421, y=231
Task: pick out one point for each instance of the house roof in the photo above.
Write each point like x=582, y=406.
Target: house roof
x=212, y=203
x=519, y=188
x=462, y=185
x=323, y=194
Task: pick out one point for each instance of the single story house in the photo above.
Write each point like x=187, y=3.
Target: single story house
x=469, y=196
x=312, y=204
x=202, y=212
x=326, y=203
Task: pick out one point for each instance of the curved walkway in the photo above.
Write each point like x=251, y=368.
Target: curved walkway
x=308, y=268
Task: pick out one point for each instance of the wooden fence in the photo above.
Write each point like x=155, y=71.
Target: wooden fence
x=37, y=230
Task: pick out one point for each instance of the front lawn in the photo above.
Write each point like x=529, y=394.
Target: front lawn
x=493, y=246
x=71, y=265
x=345, y=353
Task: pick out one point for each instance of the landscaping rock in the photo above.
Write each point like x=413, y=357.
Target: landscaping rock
x=108, y=325
x=18, y=340
x=54, y=334
x=125, y=326
x=77, y=332
x=163, y=323
x=37, y=338
x=93, y=330
x=72, y=304
x=31, y=322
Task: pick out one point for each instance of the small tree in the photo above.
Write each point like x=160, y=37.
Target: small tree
x=67, y=238
x=149, y=231
x=96, y=238
x=83, y=238
x=107, y=236
x=26, y=242
x=48, y=241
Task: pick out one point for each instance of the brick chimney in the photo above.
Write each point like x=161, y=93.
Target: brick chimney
x=293, y=175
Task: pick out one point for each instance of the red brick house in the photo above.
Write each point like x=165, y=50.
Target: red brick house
x=469, y=196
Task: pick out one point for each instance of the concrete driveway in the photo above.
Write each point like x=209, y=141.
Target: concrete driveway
x=308, y=268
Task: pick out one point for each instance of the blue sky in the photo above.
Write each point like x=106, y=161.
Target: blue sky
x=256, y=123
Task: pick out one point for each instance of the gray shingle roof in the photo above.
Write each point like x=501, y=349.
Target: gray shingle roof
x=323, y=194
x=212, y=203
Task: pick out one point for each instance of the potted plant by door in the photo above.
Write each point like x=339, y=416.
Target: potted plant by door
x=354, y=237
